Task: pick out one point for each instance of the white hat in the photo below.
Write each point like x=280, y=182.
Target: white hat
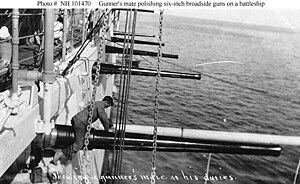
x=4, y=32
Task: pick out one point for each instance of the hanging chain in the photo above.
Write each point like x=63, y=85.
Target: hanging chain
x=156, y=112
x=84, y=163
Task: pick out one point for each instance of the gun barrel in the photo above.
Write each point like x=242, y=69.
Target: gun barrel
x=117, y=69
x=116, y=39
x=63, y=136
x=111, y=49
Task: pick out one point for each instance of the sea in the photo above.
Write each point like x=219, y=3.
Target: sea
x=250, y=83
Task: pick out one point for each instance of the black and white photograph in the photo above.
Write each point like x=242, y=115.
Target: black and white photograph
x=138, y=92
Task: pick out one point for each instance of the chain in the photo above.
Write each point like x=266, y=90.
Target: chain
x=156, y=112
x=84, y=164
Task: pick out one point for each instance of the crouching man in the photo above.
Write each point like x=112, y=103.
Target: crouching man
x=80, y=123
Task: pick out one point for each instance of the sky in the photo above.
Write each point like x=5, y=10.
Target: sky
x=285, y=18
x=278, y=13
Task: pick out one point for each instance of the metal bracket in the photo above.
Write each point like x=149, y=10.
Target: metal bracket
x=41, y=127
x=12, y=103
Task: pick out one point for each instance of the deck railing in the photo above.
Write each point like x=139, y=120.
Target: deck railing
x=28, y=40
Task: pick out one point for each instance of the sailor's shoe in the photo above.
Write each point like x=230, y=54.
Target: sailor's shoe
x=57, y=156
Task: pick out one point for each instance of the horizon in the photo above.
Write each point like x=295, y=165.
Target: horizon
x=288, y=19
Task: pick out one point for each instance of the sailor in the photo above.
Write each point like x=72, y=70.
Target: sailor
x=58, y=27
x=80, y=123
x=5, y=47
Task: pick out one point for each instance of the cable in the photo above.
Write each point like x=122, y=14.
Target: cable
x=116, y=153
x=128, y=81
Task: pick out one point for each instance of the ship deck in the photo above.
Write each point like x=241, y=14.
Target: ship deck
x=30, y=58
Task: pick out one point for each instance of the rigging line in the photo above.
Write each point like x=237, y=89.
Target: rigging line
x=124, y=100
x=83, y=46
x=115, y=153
x=128, y=82
x=97, y=30
x=120, y=105
x=146, y=60
x=124, y=79
x=266, y=93
x=113, y=21
x=118, y=118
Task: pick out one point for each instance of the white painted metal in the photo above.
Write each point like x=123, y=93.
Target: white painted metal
x=235, y=137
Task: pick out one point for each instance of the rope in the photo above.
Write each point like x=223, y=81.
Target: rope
x=125, y=80
x=120, y=106
x=124, y=102
x=124, y=94
x=156, y=105
x=128, y=81
x=114, y=20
